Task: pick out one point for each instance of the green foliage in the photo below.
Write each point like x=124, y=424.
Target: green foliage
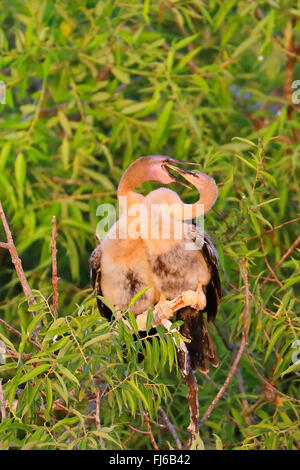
x=91, y=86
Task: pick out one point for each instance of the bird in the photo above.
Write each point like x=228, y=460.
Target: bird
x=156, y=243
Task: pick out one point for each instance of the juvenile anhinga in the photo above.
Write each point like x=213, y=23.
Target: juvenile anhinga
x=123, y=265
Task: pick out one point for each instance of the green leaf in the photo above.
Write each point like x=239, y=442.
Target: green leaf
x=184, y=42
x=100, y=338
x=149, y=320
x=219, y=444
x=68, y=374
x=274, y=338
x=161, y=125
x=20, y=170
x=122, y=76
x=171, y=352
x=49, y=396
x=133, y=322
x=138, y=295
x=292, y=368
x=5, y=153
x=34, y=373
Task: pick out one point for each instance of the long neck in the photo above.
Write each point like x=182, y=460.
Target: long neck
x=133, y=176
x=208, y=192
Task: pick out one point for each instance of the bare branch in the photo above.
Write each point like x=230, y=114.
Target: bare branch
x=147, y=422
x=16, y=260
x=170, y=426
x=286, y=254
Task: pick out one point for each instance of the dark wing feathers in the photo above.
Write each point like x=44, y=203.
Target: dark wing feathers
x=201, y=348
x=213, y=289
x=95, y=275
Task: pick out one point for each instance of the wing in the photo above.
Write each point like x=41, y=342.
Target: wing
x=95, y=275
x=213, y=289
x=201, y=348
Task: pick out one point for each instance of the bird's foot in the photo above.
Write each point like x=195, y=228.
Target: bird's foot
x=194, y=299
x=189, y=298
x=162, y=312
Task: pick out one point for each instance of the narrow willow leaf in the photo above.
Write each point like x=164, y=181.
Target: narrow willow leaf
x=65, y=153
x=68, y=374
x=5, y=153
x=133, y=322
x=20, y=170
x=49, y=396
x=161, y=125
x=98, y=339
x=122, y=76
x=274, y=338
x=184, y=42
x=33, y=373
x=171, y=355
x=149, y=320
x=137, y=296
x=292, y=368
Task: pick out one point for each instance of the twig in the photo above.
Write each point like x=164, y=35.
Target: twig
x=271, y=230
x=18, y=333
x=170, y=426
x=16, y=260
x=138, y=430
x=128, y=438
x=54, y=265
x=146, y=417
x=240, y=351
x=265, y=381
x=286, y=254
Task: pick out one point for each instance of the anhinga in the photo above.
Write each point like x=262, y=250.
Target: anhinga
x=186, y=281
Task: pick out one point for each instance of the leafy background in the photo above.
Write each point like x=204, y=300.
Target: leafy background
x=91, y=86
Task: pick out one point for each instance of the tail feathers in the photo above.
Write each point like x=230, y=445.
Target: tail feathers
x=201, y=348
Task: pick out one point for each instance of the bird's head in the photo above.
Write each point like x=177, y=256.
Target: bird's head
x=157, y=168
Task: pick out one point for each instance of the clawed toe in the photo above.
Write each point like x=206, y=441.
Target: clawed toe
x=194, y=299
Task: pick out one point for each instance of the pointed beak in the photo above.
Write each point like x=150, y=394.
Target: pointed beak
x=171, y=163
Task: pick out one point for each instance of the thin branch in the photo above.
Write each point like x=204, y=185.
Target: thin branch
x=240, y=351
x=147, y=422
x=191, y=382
x=138, y=430
x=286, y=254
x=19, y=334
x=272, y=229
x=170, y=427
x=128, y=438
x=16, y=260
x=265, y=381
